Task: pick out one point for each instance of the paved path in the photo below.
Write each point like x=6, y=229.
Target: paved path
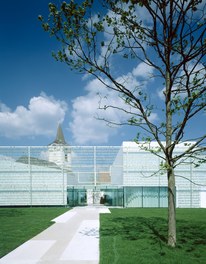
x=73, y=239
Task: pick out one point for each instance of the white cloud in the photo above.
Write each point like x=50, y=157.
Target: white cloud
x=143, y=70
x=39, y=118
x=193, y=71
x=87, y=129
x=4, y=108
x=84, y=127
x=160, y=93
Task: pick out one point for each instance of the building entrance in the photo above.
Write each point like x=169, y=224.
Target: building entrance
x=95, y=196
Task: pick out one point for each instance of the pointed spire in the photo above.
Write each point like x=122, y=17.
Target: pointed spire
x=59, y=137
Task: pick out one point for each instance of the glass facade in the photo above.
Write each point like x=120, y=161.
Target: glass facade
x=106, y=195
x=114, y=176
x=122, y=196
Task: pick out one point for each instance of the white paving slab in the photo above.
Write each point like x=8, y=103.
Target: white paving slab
x=85, y=243
x=29, y=253
x=64, y=217
x=104, y=211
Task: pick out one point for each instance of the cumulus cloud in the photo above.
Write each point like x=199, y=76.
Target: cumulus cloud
x=160, y=93
x=86, y=125
x=143, y=70
x=194, y=71
x=4, y=108
x=39, y=118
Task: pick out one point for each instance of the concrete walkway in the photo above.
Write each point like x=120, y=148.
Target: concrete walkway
x=74, y=239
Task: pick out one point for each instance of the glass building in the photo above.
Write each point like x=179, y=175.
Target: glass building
x=64, y=175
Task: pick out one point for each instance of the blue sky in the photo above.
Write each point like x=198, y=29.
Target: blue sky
x=37, y=93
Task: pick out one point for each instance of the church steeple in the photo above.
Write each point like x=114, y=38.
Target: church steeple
x=59, y=151
x=59, y=138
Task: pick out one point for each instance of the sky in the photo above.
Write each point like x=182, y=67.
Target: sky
x=37, y=93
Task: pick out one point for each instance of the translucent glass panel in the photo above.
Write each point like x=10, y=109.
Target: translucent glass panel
x=27, y=177
x=140, y=161
x=107, y=196
x=125, y=196
x=76, y=197
x=113, y=197
x=145, y=197
x=95, y=165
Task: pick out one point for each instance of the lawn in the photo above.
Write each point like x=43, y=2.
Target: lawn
x=17, y=225
x=139, y=235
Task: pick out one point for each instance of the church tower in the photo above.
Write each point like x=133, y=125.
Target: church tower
x=60, y=151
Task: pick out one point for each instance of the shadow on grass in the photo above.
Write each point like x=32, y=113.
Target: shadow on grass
x=191, y=236
x=134, y=228
x=140, y=236
x=10, y=212
x=154, y=229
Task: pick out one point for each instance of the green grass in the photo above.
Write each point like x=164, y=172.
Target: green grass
x=139, y=235
x=17, y=225
x=127, y=236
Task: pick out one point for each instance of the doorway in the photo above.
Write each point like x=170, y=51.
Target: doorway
x=94, y=196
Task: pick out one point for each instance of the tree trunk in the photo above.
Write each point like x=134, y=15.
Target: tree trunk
x=171, y=208
x=169, y=164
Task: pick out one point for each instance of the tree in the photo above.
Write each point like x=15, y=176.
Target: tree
x=169, y=37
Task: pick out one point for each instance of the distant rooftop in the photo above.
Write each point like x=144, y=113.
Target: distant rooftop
x=36, y=161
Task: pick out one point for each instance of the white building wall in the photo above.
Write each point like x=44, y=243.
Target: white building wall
x=142, y=168
x=24, y=184
x=48, y=186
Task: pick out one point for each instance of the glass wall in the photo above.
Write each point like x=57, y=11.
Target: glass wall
x=99, y=196
x=28, y=178
x=145, y=197
x=114, y=176
x=122, y=196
